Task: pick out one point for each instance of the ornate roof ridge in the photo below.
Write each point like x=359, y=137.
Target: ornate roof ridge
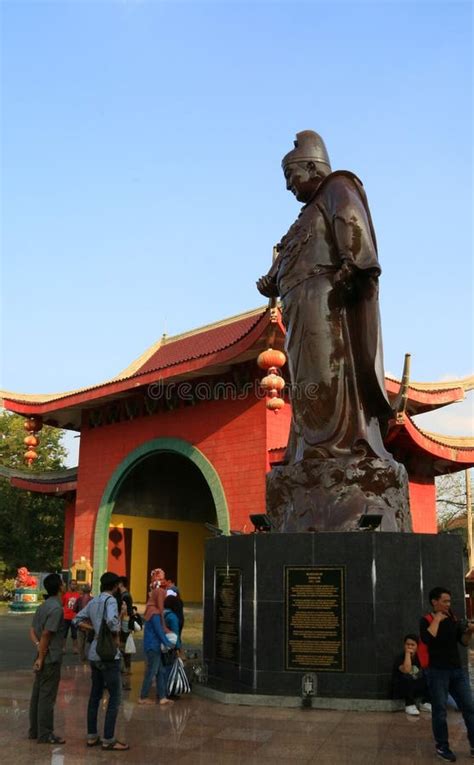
x=466, y=383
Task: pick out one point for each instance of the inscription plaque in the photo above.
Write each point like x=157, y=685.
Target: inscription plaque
x=228, y=609
x=315, y=619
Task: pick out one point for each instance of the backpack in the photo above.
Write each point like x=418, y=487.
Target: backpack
x=422, y=650
x=106, y=645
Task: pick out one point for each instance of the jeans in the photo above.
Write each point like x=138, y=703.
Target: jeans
x=43, y=698
x=455, y=682
x=154, y=669
x=68, y=625
x=105, y=674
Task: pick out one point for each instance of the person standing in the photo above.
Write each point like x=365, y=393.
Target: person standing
x=442, y=633
x=47, y=633
x=173, y=611
x=126, y=626
x=104, y=674
x=83, y=635
x=69, y=602
x=154, y=636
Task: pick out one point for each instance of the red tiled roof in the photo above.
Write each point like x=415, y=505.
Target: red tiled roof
x=200, y=344
x=166, y=353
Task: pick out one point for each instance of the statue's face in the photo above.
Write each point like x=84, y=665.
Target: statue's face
x=302, y=179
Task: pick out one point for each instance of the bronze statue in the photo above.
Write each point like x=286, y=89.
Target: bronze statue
x=326, y=273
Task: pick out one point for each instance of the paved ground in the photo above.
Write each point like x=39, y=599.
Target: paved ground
x=195, y=731
x=16, y=652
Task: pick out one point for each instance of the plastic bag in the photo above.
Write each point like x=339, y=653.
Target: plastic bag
x=178, y=682
x=130, y=646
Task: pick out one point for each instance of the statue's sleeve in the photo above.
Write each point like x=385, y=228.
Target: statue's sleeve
x=351, y=226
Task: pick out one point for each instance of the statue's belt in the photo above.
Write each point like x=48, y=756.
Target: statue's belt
x=315, y=271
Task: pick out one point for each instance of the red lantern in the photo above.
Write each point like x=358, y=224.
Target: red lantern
x=30, y=456
x=273, y=382
x=271, y=358
x=33, y=424
x=31, y=441
x=275, y=404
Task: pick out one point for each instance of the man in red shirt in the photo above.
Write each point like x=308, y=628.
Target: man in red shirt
x=84, y=636
x=69, y=601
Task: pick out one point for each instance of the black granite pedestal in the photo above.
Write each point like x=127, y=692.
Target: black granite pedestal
x=336, y=605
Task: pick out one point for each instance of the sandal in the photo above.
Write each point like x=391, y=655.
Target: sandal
x=94, y=741
x=117, y=746
x=52, y=739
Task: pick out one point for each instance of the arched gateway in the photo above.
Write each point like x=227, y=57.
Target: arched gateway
x=115, y=499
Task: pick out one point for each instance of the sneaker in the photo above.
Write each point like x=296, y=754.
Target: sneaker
x=411, y=709
x=425, y=707
x=445, y=753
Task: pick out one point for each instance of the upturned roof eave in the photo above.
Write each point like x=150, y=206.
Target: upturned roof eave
x=54, y=482
x=429, y=397
x=435, y=447
x=53, y=489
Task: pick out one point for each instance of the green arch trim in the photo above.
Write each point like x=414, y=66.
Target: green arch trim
x=107, y=503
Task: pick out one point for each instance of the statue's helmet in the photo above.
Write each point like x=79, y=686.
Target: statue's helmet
x=309, y=147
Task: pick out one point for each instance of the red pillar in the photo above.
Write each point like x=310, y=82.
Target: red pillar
x=69, y=514
x=423, y=504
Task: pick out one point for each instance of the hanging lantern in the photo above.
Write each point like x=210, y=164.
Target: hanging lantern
x=275, y=404
x=33, y=424
x=30, y=456
x=273, y=383
x=271, y=359
x=31, y=441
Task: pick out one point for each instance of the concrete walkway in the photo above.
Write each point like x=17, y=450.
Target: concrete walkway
x=195, y=730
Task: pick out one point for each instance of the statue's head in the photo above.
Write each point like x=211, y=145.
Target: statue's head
x=306, y=165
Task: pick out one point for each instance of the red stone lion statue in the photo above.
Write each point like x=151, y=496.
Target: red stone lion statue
x=24, y=578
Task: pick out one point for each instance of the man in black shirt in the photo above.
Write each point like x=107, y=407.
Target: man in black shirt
x=442, y=632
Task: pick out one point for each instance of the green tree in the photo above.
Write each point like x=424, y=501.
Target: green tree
x=451, y=505
x=451, y=499
x=31, y=525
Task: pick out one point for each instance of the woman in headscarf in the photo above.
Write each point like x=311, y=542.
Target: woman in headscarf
x=154, y=635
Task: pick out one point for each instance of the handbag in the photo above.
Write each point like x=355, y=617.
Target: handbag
x=106, y=645
x=130, y=646
x=178, y=682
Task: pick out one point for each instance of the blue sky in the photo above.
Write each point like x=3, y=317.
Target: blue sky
x=141, y=183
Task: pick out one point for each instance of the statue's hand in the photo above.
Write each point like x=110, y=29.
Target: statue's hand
x=345, y=275
x=266, y=286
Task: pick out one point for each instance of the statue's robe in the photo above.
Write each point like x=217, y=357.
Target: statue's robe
x=333, y=341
